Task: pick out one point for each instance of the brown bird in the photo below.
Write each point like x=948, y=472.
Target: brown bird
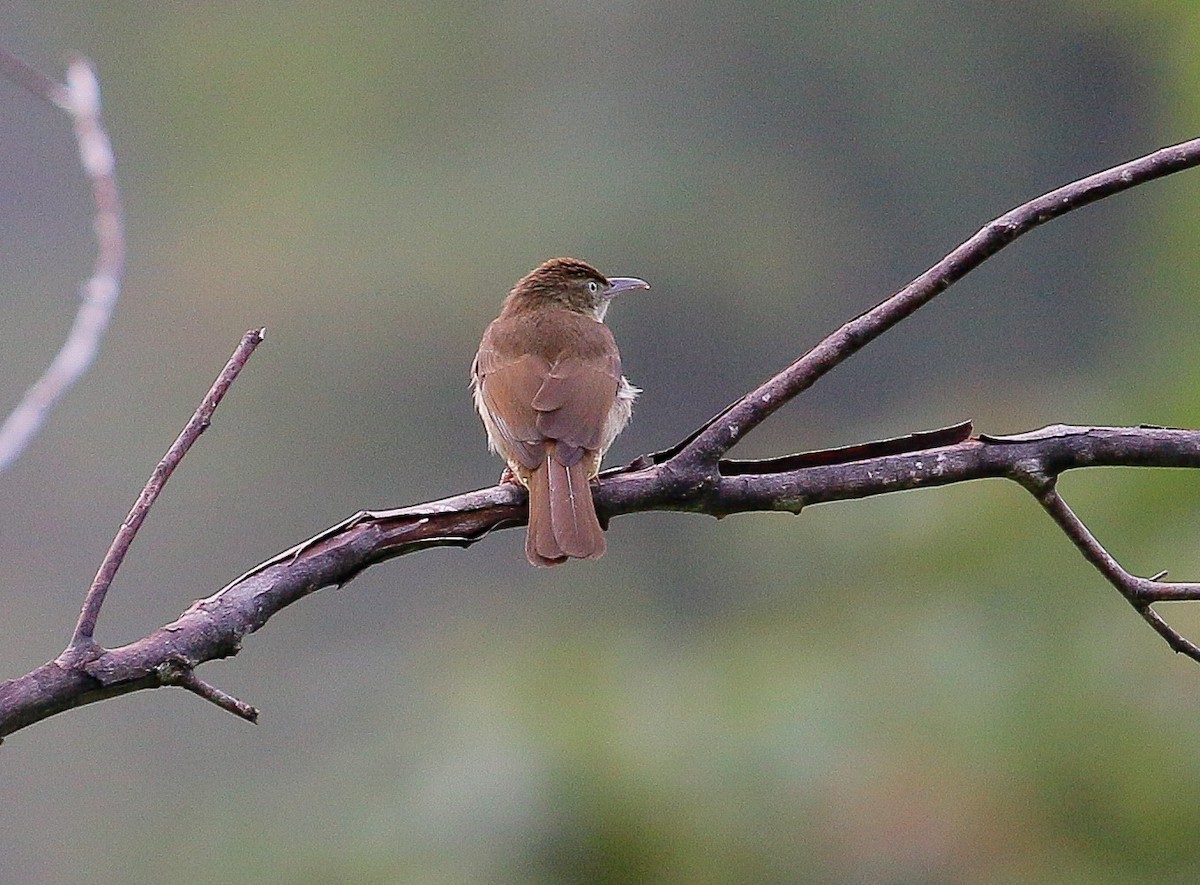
x=547, y=383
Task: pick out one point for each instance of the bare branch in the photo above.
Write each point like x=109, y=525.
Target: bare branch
x=742, y=416
x=691, y=476
x=214, y=627
x=81, y=641
x=81, y=99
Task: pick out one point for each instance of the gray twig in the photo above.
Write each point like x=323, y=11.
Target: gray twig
x=98, y=296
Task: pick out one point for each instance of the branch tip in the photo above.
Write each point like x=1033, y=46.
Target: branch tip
x=83, y=88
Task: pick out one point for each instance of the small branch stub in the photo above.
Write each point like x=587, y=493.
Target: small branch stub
x=186, y=677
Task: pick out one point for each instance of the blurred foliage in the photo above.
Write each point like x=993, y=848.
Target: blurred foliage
x=930, y=687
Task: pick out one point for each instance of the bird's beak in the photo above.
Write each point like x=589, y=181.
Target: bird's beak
x=625, y=284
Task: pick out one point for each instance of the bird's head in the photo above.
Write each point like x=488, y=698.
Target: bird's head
x=572, y=284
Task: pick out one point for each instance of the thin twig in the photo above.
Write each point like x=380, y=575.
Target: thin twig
x=1140, y=593
x=98, y=297
x=742, y=416
x=1174, y=639
x=86, y=626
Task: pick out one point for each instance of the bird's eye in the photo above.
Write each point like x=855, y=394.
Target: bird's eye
x=593, y=286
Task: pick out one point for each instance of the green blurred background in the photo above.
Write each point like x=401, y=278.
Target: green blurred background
x=926, y=688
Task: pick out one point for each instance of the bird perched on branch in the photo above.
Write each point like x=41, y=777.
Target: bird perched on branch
x=547, y=383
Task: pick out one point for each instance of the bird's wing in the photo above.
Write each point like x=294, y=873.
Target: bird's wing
x=574, y=402
x=506, y=387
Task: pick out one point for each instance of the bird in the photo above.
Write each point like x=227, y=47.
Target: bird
x=548, y=387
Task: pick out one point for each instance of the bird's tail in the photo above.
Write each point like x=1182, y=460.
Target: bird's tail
x=562, y=516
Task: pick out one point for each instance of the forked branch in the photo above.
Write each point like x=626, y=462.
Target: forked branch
x=693, y=475
x=723, y=431
x=214, y=627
